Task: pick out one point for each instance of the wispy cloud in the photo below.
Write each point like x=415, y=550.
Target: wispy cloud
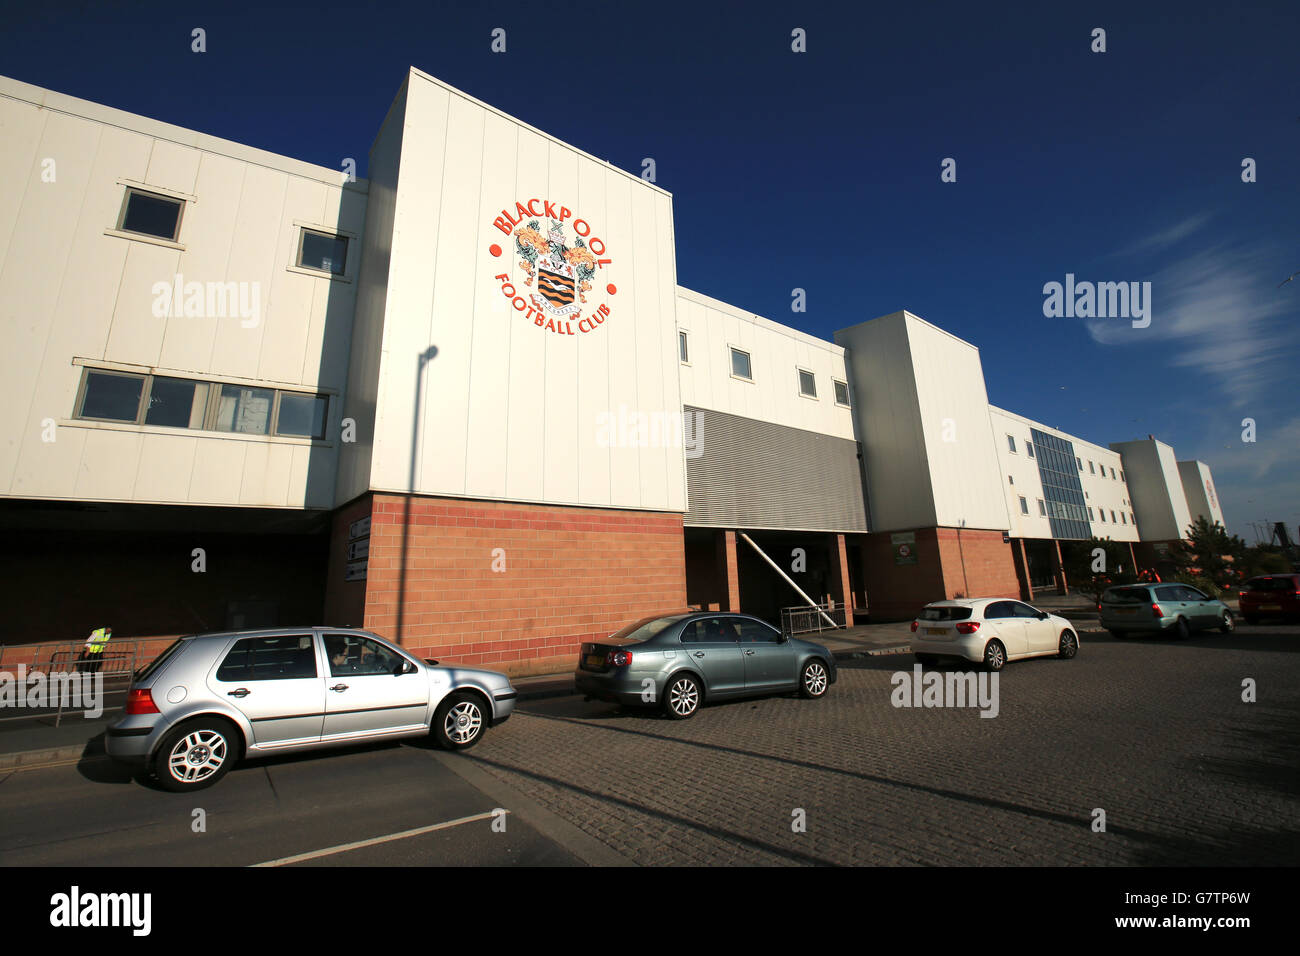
x=1217, y=310
x=1160, y=241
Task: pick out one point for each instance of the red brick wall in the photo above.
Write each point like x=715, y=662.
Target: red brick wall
x=571, y=574
x=897, y=592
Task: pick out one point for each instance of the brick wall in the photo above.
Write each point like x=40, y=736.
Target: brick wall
x=897, y=592
x=571, y=574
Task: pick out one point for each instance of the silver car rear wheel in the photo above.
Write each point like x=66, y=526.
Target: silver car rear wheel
x=194, y=755
x=683, y=697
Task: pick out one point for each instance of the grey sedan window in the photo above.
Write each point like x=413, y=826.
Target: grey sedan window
x=752, y=632
x=710, y=630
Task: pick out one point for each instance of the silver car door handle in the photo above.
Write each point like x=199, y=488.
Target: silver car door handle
x=339, y=687
x=749, y=653
x=239, y=692
x=699, y=653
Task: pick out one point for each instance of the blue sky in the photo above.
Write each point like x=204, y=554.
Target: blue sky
x=821, y=170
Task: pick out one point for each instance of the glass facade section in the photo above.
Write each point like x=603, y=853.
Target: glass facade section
x=1066, y=511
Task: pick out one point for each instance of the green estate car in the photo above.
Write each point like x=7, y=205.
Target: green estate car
x=1176, y=609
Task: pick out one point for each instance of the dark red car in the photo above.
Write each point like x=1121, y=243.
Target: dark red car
x=1270, y=595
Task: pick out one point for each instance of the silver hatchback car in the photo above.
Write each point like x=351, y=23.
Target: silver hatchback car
x=211, y=699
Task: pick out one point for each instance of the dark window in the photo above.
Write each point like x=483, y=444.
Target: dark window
x=1000, y=609
x=710, y=630
x=1042, y=508
x=1191, y=594
x=807, y=384
x=1127, y=596
x=323, y=251
x=112, y=397
x=740, y=364
x=1024, y=506
x=947, y=612
x=151, y=215
x=245, y=410
x=289, y=657
x=1024, y=610
x=1011, y=443
x=353, y=656
x=841, y=393
x=752, y=632
x=302, y=415
x=1269, y=584
x=1029, y=449
x=175, y=403
x=1169, y=592
x=682, y=350
x=151, y=668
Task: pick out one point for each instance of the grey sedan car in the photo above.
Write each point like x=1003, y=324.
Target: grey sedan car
x=678, y=661
x=210, y=699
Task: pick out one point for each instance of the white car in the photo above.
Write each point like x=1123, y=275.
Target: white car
x=991, y=631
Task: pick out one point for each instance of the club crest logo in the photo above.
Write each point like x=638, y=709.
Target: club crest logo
x=557, y=263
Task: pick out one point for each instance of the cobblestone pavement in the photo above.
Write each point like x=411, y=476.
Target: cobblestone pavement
x=1153, y=732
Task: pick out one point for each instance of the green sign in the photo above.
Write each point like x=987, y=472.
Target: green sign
x=904, y=546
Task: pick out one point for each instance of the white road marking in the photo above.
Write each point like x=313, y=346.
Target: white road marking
x=345, y=847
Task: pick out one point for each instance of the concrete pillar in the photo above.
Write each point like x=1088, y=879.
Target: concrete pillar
x=728, y=570
x=1058, y=568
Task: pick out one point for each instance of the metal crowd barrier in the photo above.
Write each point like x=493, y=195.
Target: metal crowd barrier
x=808, y=618
x=117, y=664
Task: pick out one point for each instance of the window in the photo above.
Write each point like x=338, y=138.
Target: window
x=1132, y=517
x=301, y=415
x=176, y=403
x=1112, y=516
x=244, y=410
x=1090, y=517
x=1112, y=474
x=1029, y=449
x=269, y=658
x=1011, y=443
x=711, y=630
x=683, y=352
x=1000, y=609
x=1024, y=506
x=841, y=393
x=1079, y=462
x=151, y=215
x=111, y=396
x=1042, y=508
x=322, y=251
x=1123, y=518
x=353, y=656
x=1101, y=513
x=1121, y=474
x=1091, y=470
x=1011, y=479
x=740, y=365
x=752, y=632
x=807, y=384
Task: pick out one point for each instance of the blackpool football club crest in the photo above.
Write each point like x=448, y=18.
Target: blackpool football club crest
x=557, y=260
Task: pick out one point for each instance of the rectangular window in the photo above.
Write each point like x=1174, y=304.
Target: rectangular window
x=841, y=393
x=1101, y=513
x=740, y=365
x=1123, y=518
x=1011, y=443
x=1011, y=480
x=1121, y=474
x=1090, y=516
x=322, y=251
x=683, y=352
x=1042, y=508
x=176, y=403
x=244, y=410
x=807, y=384
x=1029, y=449
x=1079, y=462
x=1024, y=506
x=111, y=396
x=301, y=415
x=1112, y=474
x=1091, y=470
x=151, y=215
x=1112, y=516
x=1132, y=517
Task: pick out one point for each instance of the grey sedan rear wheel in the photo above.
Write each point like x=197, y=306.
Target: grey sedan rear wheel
x=459, y=721
x=682, y=698
x=814, y=680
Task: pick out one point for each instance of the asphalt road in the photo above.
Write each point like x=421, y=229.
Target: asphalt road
x=1151, y=731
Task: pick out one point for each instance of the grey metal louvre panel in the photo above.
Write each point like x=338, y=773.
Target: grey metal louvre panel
x=752, y=474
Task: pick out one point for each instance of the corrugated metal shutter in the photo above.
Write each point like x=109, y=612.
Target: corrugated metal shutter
x=752, y=474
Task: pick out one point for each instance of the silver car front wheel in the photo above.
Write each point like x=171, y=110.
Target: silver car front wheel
x=814, y=680
x=459, y=721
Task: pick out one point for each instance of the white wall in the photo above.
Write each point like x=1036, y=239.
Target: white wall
x=70, y=293
x=1198, y=489
x=776, y=353
x=507, y=410
x=1157, y=489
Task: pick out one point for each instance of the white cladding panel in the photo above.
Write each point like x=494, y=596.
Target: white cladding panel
x=887, y=415
x=1157, y=489
x=73, y=295
x=954, y=416
x=1198, y=489
x=1101, y=489
x=776, y=352
x=508, y=409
